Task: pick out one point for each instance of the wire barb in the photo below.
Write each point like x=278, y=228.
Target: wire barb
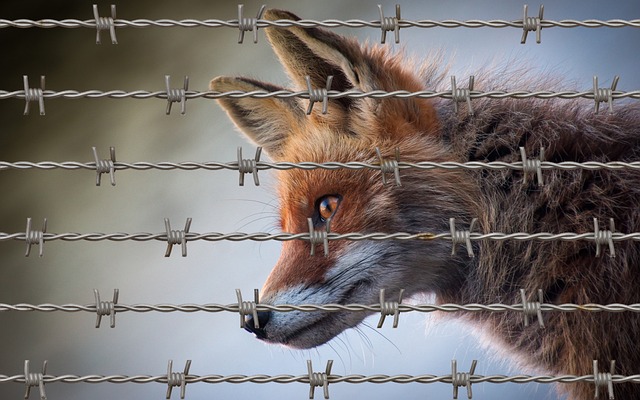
x=604, y=95
x=604, y=379
x=176, y=237
x=389, y=308
x=317, y=236
x=318, y=94
x=390, y=24
x=32, y=379
x=461, y=237
x=34, y=236
x=33, y=94
x=104, y=23
x=177, y=379
x=604, y=237
x=388, y=166
x=104, y=166
x=532, y=307
x=532, y=166
x=459, y=95
x=248, y=308
x=248, y=24
x=106, y=308
x=532, y=24
x=459, y=379
x=319, y=379
x=176, y=95
x=249, y=166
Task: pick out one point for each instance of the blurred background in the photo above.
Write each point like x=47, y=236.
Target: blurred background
x=140, y=131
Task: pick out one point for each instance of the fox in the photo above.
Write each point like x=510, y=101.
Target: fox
x=501, y=200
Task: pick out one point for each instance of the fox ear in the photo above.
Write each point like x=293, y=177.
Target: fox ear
x=268, y=121
x=318, y=53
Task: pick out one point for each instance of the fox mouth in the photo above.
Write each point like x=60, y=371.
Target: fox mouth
x=321, y=330
x=293, y=339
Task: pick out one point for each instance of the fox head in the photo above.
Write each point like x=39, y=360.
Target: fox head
x=352, y=200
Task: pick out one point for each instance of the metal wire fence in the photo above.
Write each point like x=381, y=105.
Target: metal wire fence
x=171, y=237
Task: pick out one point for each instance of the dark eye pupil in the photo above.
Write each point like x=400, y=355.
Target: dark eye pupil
x=326, y=204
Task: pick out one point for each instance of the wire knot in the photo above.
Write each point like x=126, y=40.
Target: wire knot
x=319, y=94
x=530, y=308
x=248, y=308
x=461, y=237
x=104, y=23
x=35, y=236
x=248, y=24
x=317, y=379
x=33, y=94
x=249, y=166
x=604, y=237
x=105, y=166
x=461, y=94
x=318, y=236
x=604, y=95
x=106, y=307
x=462, y=379
x=604, y=379
x=177, y=379
x=390, y=308
x=532, y=165
x=176, y=95
x=388, y=166
x=176, y=237
x=530, y=24
x=389, y=24
x=32, y=379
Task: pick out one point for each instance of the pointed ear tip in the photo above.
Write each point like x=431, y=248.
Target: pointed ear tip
x=220, y=83
x=273, y=14
x=216, y=82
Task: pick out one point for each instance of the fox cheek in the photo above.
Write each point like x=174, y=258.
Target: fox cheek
x=297, y=268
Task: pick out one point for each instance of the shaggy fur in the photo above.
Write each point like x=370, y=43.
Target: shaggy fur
x=502, y=200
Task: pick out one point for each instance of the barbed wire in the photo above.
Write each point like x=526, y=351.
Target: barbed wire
x=310, y=23
x=285, y=236
x=261, y=165
x=261, y=236
x=331, y=94
x=377, y=308
x=285, y=378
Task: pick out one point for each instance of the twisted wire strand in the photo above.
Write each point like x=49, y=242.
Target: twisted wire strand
x=375, y=308
x=352, y=378
x=260, y=165
x=331, y=94
x=309, y=23
x=285, y=236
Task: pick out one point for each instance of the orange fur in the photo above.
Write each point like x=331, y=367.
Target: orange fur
x=429, y=130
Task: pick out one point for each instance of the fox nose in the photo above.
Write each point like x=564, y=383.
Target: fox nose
x=263, y=319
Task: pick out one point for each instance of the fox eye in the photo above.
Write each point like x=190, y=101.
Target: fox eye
x=327, y=206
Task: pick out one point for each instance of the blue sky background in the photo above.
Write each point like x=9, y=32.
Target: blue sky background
x=142, y=343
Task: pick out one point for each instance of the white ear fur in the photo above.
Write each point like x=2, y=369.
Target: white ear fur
x=318, y=53
x=267, y=122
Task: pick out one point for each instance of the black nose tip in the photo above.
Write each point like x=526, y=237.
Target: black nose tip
x=263, y=319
